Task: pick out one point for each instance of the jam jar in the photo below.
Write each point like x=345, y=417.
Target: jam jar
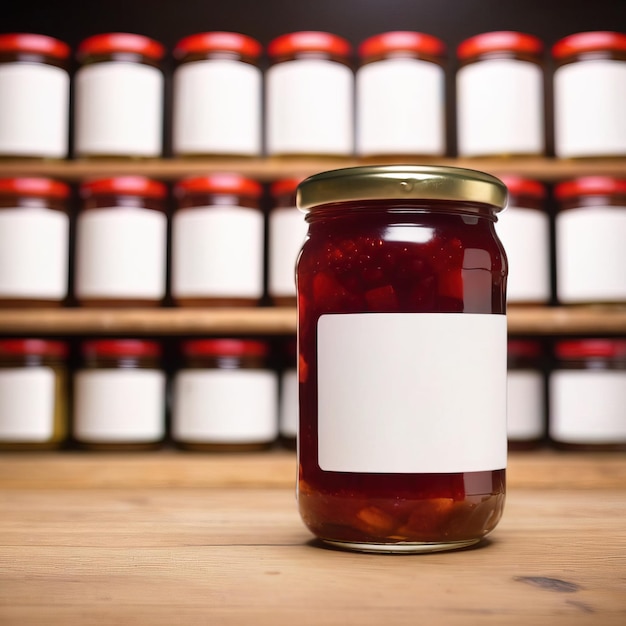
x=35, y=88
x=402, y=357
x=500, y=102
x=118, y=97
x=590, y=95
x=588, y=394
x=590, y=228
x=119, y=395
x=33, y=394
x=225, y=396
x=121, y=242
x=309, y=96
x=217, y=95
x=524, y=229
x=34, y=241
x=217, y=242
x=400, y=95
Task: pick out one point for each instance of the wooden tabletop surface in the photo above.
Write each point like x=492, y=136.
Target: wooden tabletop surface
x=173, y=538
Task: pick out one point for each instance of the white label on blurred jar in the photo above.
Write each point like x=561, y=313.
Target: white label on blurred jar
x=217, y=108
x=225, y=406
x=525, y=234
x=400, y=108
x=309, y=108
x=411, y=392
x=500, y=108
x=118, y=110
x=289, y=410
x=591, y=255
x=26, y=404
x=217, y=252
x=589, y=105
x=588, y=406
x=119, y=405
x=120, y=253
x=525, y=405
x=34, y=250
x=34, y=110
x=287, y=230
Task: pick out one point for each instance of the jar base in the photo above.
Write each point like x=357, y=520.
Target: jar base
x=402, y=547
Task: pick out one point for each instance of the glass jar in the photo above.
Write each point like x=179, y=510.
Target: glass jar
x=590, y=230
x=500, y=102
x=526, y=423
x=217, y=96
x=524, y=229
x=402, y=358
x=288, y=410
x=590, y=95
x=35, y=88
x=119, y=395
x=34, y=242
x=400, y=95
x=286, y=232
x=225, y=396
x=33, y=394
x=588, y=395
x=309, y=96
x=217, y=242
x=121, y=242
x=118, y=97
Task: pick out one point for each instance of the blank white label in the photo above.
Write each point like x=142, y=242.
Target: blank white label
x=525, y=405
x=412, y=393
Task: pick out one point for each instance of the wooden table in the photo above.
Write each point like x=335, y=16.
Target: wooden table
x=172, y=538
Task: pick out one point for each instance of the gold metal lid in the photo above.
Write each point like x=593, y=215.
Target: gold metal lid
x=401, y=182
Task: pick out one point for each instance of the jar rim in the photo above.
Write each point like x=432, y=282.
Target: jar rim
x=402, y=41
x=41, y=347
x=519, y=186
x=35, y=43
x=121, y=347
x=107, y=43
x=309, y=41
x=589, y=348
x=401, y=183
x=125, y=185
x=219, y=183
x=499, y=41
x=589, y=41
x=224, y=347
x=34, y=187
x=218, y=41
x=590, y=186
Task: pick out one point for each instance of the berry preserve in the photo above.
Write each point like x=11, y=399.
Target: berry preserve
x=402, y=358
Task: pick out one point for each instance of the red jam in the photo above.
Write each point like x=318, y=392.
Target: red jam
x=413, y=255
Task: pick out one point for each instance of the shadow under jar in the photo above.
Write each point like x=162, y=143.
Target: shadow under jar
x=402, y=358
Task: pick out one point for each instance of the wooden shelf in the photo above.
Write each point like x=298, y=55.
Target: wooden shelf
x=271, y=321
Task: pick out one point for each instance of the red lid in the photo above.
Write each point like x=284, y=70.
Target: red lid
x=286, y=186
x=220, y=183
x=590, y=186
x=120, y=347
x=591, y=41
x=120, y=42
x=218, y=42
x=523, y=347
x=499, y=41
x=40, y=347
x=34, y=187
x=401, y=41
x=309, y=41
x=519, y=186
x=37, y=44
x=589, y=348
x=124, y=185
x=225, y=347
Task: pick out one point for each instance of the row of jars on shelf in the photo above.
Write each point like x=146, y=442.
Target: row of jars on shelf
x=229, y=393
x=309, y=101
x=219, y=235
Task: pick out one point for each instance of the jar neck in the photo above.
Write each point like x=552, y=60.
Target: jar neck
x=594, y=55
x=123, y=201
x=33, y=57
x=500, y=55
x=223, y=362
x=578, y=202
x=218, y=55
x=197, y=200
x=120, y=57
x=30, y=360
x=403, y=54
x=311, y=55
x=32, y=202
x=120, y=362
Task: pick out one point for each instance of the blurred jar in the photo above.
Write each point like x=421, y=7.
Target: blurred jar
x=590, y=234
x=121, y=242
x=289, y=411
x=287, y=230
x=400, y=95
x=33, y=394
x=35, y=88
x=119, y=395
x=34, y=242
x=590, y=95
x=217, y=242
x=217, y=95
x=500, y=103
x=309, y=96
x=588, y=394
x=225, y=396
x=118, y=97
x=526, y=423
x=524, y=229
